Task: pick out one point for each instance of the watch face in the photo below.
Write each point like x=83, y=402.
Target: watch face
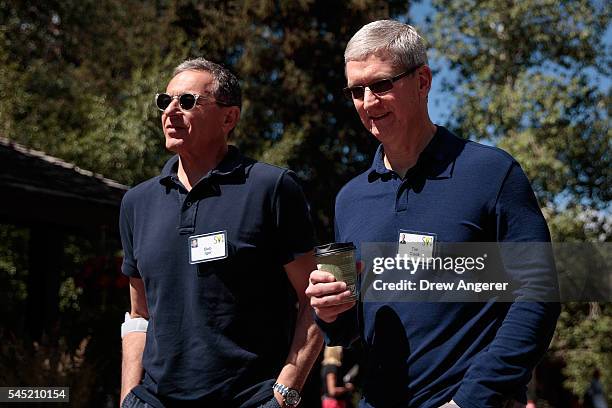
x=292, y=397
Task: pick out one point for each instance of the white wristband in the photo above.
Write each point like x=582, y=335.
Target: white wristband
x=137, y=324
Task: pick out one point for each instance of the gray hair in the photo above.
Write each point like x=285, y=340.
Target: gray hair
x=226, y=88
x=387, y=38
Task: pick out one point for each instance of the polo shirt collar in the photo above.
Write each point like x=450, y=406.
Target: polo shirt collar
x=378, y=165
x=231, y=163
x=433, y=157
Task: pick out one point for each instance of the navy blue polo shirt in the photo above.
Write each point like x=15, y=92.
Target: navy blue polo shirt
x=219, y=331
x=422, y=354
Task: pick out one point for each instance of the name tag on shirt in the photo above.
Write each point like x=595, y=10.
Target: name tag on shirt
x=416, y=244
x=207, y=247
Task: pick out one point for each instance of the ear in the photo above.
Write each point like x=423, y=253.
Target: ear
x=230, y=118
x=425, y=77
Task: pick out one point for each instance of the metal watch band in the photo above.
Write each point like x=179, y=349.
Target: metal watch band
x=291, y=396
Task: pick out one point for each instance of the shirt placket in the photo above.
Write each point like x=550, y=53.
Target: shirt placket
x=401, y=196
x=189, y=209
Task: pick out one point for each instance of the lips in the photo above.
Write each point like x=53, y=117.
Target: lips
x=378, y=117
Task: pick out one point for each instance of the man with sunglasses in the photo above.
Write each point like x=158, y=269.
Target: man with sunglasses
x=426, y=186
x=218, y=249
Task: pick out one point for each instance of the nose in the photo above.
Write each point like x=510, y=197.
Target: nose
x=369, y=98
x=173, y=106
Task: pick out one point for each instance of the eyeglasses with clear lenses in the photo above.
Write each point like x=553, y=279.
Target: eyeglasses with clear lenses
x=378, y=87
x=187, y=101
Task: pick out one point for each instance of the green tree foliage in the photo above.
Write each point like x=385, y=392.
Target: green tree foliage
x=584, y=341
x=77, y=78
x=528, y=82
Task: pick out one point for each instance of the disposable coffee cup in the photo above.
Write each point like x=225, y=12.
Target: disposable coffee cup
x=338, y=258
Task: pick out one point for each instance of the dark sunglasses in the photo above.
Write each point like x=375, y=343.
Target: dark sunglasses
x=378, y=87
x=186, y=101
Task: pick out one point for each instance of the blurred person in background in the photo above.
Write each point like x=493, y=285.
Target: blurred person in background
x=336, y=392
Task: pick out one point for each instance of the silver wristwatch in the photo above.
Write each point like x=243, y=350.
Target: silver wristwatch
x=290, y=396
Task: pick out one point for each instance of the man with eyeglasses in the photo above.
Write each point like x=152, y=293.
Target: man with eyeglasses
x=218, y=249
x=426, y=185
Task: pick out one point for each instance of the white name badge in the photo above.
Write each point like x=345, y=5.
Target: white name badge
x=207, y=247
x=416, y=244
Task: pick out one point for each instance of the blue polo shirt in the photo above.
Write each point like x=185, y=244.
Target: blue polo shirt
x=422, y=354
x=219, y=331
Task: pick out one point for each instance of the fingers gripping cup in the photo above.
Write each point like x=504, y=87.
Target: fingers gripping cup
x=339, y=259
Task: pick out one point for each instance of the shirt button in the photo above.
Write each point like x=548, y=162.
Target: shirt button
x=188, y=203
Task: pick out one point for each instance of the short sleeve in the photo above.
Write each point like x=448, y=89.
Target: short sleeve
x=128, y=267
x=293, y=221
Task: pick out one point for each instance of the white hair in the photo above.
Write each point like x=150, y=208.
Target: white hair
x=387, y=39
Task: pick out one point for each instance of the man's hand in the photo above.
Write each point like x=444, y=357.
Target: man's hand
x=327, y=296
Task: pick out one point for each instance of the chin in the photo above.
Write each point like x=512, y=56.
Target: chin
x=377, y=133
x=384, y=137
x=174, y=145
